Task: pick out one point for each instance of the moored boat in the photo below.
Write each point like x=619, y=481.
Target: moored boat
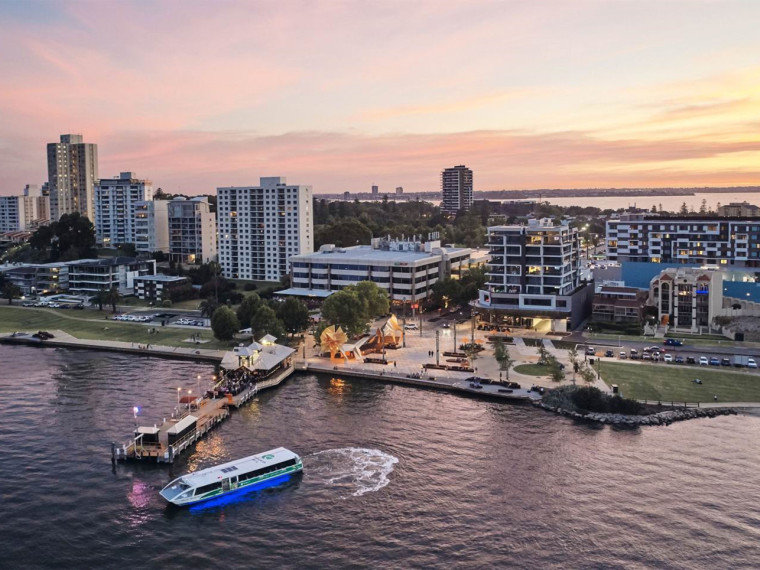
x=232, y=477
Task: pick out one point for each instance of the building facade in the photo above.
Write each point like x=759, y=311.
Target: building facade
x=616, y=304
x=456, y=189
x=407, y=270
x=115, y=200
x=192, y=230
x=25, y=212
x=158, y=288
x=739, y=210
x=687, y=298
x=151, y=226
x=262, y=227
x=72, y=174
x=696, y=240
x=534, y=277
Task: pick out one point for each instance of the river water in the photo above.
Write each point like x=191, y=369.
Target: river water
x=395, y=477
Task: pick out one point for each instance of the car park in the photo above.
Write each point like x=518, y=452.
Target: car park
x=703, y=361
x=714, y=361
x=668, y=358
x=725, y=362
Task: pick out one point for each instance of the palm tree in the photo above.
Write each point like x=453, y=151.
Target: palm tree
x=208, y=306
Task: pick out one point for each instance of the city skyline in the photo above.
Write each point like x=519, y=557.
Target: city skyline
x=341, y=96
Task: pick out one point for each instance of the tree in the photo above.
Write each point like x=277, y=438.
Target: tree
x=445, y=291
x=246, y=309
x=208, y=307
x=224, y=323
x=113, y=297
x=555, y=368
x=374, y=298
x=71, y=237
x=101, y=298
x=587, y=373
x=294, y=315
x=505, y=360
x=265, y=321
x=543, y=354
x=11, y=291
x=572, y=354
x=344, y=308
x=343, y=233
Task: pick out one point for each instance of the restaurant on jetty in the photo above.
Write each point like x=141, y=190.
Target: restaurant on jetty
x=244, y=371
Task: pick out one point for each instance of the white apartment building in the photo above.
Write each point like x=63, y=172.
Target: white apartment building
x=72, y=174
x=406, y=269
x=192, y=230
x=115, y=200
x=151, y=225
x=24, y=212
x=262, y=227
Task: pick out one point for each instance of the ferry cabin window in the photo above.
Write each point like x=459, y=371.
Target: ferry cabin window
x=207, y=488
x=265, y=470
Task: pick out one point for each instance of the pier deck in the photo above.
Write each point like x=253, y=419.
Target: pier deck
x=209, y=413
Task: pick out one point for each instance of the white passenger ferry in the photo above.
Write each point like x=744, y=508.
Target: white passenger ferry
x=238, y=475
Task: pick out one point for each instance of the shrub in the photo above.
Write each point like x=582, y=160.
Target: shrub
x=249, y=287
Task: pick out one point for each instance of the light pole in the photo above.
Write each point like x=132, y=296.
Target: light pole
x=189, y=392
x=455, y=335
x=199, y=385
x=437, y=347
x=178, y=393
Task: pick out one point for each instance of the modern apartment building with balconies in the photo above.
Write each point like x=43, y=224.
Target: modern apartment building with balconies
x=192, y=230
x=688, y=240
x=151, y=225
x=534, y=277
x=262, y=227
x=115, y=200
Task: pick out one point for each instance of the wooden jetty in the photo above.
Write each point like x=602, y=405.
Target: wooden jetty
x=163, y=444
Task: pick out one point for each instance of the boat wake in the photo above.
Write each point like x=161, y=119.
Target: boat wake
x=351, y=469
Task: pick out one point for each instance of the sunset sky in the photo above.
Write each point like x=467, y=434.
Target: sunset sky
x=342, y=95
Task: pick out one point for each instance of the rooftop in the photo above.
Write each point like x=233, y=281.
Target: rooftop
x=162, y=278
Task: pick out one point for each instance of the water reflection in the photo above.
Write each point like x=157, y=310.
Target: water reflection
x=338, y=387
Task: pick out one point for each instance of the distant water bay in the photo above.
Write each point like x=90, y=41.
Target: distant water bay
x=395, y=477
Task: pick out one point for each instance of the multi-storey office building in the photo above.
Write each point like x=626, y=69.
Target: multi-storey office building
x=115, y=200
x=262, y=227
x=534, y=276
x=687, y=298
x=407, y=270
x=72, y=173
x=151, y=226
x=456, y=189
x=24, y=212
x=688, y=240
x=192, y=230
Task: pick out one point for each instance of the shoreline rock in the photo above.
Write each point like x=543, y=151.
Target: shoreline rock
x=666, y=417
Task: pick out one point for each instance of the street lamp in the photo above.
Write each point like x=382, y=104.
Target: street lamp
x=199, y=384
x=178, y=392
x=189, y=392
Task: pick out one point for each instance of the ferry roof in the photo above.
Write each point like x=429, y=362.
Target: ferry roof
x=182, y=424
x=232, y=468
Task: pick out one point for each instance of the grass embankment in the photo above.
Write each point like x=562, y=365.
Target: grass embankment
x=89, y=324
x=667, y=382
x=532, y=369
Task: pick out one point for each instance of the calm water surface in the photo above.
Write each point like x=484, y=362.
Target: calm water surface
x=395, y=477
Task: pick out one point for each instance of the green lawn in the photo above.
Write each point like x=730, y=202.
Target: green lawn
x=532, y=369
x=668, y=382
x=89, y=324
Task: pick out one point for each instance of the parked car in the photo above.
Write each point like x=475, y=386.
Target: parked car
x=678, y=360
x=590, y=351
x=714, y=361
x=668, y=358
x=672, y=342
x=703, y=361
x=646, y=356
x=446, y=325
x=691, y=360
x=623, y=355
x=28, y=304
x=411, y=327
x=751, y=363
x=725, y=362
x=609, y=354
